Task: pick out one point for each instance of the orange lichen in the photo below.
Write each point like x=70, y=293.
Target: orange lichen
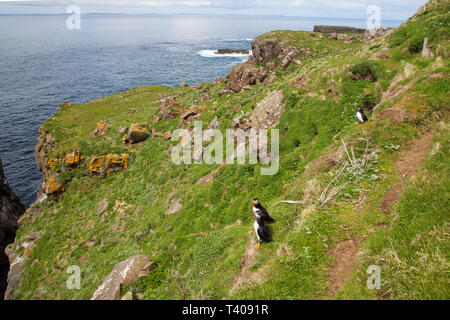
x=96, y=164
x=167, y=135
x=53, y=186
x=51, y=163
x=100, y=130
x=28, y=251
x=112, y=162
x=72, y=159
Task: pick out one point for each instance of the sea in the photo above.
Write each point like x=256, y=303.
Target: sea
x=43, y=63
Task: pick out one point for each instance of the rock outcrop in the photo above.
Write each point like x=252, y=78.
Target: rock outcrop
x=266, y=50
x=10, y=210
x=125, y=272
x=426, y=52
x=232, y=51
x=109, y=163
x=244, y=75
x=268, y=112
x=137, y=133
x=376, y=33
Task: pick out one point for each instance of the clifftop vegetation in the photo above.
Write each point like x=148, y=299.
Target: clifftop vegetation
x=365, y=194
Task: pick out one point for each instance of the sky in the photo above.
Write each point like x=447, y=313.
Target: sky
x=390, y=9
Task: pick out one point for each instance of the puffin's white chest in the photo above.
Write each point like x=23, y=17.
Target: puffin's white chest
x=360, y=117
x=256, y=226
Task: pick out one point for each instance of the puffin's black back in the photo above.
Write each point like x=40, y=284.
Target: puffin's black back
x=263, y=230
x=264, y=214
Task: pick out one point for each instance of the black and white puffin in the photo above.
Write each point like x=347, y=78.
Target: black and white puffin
x=262, y=231
x=260, y=211
x=361, y=115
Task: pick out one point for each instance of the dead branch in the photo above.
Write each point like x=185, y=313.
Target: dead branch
x=366, y=152
x=287, y=201
x=348, y=155
x=335, y=194
x=325, y=192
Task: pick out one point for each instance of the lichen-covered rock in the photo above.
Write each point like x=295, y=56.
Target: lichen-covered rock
x=72, y=159
x=170, y=108
x=100, y=130
x=244, y=75
x=52, y=163
x=268, y=111
x=108, y=163
x=136, y=134
x=115, y=162
x=46, y=144
x=168, y=135
x=96, y=164
x=53, y=186
x=191, y=113
x=125, y=272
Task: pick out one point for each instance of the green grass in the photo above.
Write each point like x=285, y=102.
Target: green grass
x=210, y=233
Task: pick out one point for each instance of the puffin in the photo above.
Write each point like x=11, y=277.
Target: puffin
x=361, y=116
x=262, y=231
x=260, y=211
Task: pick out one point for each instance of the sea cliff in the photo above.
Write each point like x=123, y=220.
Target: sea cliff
x=348, y=195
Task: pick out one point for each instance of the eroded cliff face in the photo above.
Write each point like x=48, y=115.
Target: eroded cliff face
x=10, y=210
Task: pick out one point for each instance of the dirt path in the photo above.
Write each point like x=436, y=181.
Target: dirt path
x=246, y=275
x=407, y=164
x=344, y=255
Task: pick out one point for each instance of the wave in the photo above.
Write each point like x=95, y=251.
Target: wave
x=213, y=54
x=237, y=40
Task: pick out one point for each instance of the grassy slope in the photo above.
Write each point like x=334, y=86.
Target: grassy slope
x=207, y=244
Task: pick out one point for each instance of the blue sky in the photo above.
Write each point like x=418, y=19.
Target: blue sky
x=390, y=9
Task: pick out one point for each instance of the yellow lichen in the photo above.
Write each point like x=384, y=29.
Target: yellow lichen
x=53, y=186
x=167, y=135
x=72, y=159
x=125, y=158
x=53, y=162
x=96, y=164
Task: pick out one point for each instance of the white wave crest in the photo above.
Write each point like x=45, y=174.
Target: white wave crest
x=237, y=40
x=213, y=54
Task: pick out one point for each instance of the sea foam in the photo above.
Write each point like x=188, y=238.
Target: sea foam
x=213, y=54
